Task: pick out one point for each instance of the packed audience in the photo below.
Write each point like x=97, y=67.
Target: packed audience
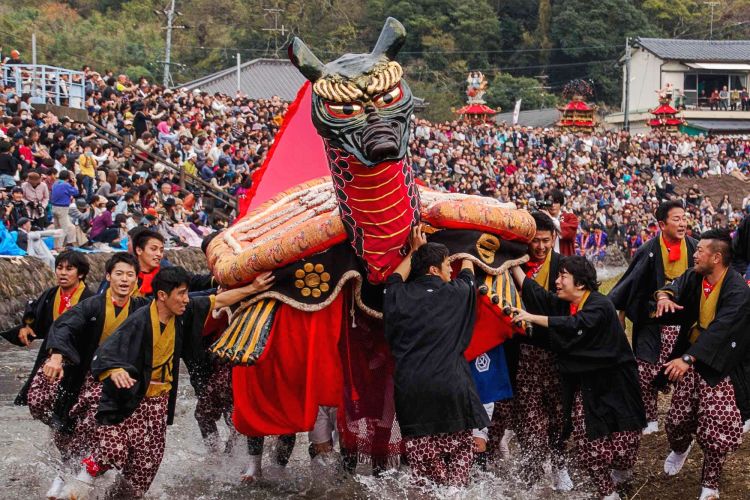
x=58, y=174
x=612, y=181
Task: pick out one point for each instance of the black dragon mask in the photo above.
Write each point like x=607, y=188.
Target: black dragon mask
x=360, y=103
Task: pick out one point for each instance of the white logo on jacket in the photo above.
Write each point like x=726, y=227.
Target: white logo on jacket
x=482, y=363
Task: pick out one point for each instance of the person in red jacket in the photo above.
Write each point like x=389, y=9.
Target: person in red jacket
x=565, y=222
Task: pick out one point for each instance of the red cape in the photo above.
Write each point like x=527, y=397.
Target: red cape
x=296, y=156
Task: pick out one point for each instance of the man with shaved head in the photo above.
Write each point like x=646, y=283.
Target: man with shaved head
x=710, y=361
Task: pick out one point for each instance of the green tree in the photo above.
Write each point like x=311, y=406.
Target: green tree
x=592, y=38
x=506, y=89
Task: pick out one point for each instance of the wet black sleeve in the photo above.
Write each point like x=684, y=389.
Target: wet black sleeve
x=537, y=300
x=624, y=292
x=716, y=339
x=567, y=333
x=68, y=332
x=123, y=349
x=201, y=282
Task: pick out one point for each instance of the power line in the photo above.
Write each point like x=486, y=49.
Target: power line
x=418, y=52
x=508, y=68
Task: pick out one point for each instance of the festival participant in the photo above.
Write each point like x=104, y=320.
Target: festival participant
x=428, y=324
x=139, y=367
x=71, y=268
x=538, y=393
x=711, y=302
x=658, y=262
x=596, y=245
x=284, y=449
x=741, y=248
x=566, y=223
x=602, y=404
x=148, y=247
x=72, y=341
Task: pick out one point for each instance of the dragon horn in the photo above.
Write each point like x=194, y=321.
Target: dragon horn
x=305, y=61
x=391, y=39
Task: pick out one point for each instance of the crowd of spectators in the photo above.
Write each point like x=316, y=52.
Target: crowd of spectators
x=58, y=174
x=612, y=181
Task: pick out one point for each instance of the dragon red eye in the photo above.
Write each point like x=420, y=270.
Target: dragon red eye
x=389, y=98
x=346, y=110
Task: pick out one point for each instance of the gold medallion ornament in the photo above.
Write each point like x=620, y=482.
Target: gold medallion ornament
x=487, y=245
x=312, y=280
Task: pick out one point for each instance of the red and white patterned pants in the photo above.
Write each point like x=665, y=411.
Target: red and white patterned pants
x=709, y=413
x=83, y=439
x=647, y=372
x=136, y=445
x=539, y=407
x=215, y=400
x=42, y=396
x=598, y=457
x=443, y=458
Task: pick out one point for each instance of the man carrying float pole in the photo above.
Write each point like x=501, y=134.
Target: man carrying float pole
x=428, y=323
x=539, y=394
x=139, y=367
x=72, y=342
x=602, y=403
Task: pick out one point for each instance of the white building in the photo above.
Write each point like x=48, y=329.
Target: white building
x=693, y=67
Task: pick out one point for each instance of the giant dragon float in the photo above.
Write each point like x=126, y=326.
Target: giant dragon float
x=316, y=337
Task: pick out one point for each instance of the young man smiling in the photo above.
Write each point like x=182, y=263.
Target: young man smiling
x=602, y=406
x=657, y=263
x=71, y=344
x=538, y=393
x=139, y=367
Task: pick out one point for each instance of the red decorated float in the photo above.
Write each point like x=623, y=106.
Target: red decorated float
x=476, y=110
x=665, y=118
x=577, y=116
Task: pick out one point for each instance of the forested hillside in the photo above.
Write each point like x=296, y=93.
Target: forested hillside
x=526, y=48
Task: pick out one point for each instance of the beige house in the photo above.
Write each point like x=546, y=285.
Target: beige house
x=692, y=68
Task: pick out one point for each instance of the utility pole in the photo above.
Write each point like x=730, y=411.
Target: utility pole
x=713, y=6
x=626, y=118
x=239, y=76
x=170, y=14
x=33, y=49
x=276, y=11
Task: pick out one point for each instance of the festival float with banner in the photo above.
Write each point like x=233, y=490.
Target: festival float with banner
x=330, y=214
x=476, y=109
x=577, y=116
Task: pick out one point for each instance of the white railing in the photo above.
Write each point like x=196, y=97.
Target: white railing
x=47, y=84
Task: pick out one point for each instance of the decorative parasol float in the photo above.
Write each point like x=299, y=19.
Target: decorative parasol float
x=476, y=110
x=665, y=117
x=577, y=116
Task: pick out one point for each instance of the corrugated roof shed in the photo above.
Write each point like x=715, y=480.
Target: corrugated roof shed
x=697, y=50
x=259, y=79
x=545, y=117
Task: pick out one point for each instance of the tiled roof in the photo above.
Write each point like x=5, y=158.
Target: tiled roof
x=697, y=50
x=260, y=79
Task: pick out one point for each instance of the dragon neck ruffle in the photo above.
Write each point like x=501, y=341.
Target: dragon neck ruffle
x=378, y=206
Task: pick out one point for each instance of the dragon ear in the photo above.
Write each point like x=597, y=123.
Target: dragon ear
x=305, y=61
x=391, y=39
